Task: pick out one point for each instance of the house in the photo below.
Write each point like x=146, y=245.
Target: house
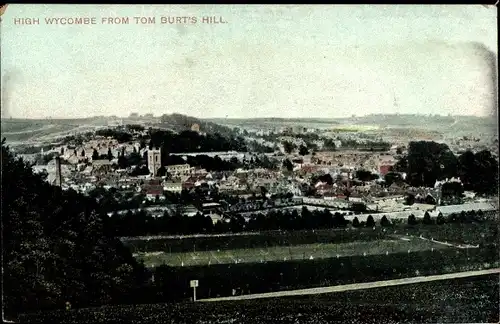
x=173, y=186
x=179, y=169
x=101, y=166
x=384, y=169
x=153, y=188
x=153, y=191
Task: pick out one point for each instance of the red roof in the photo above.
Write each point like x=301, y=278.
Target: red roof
x=384, y=169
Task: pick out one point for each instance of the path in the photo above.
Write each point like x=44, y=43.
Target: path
x=460, y=246
x=366, y=285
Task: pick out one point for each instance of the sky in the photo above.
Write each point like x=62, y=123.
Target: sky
x=265, y=61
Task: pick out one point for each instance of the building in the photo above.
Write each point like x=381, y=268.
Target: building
x=179, y=169
x=195, y=128
x=154, y=161
x=173, y=186
x=384, y=169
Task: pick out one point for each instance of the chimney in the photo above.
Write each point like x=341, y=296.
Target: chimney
x=58, y=172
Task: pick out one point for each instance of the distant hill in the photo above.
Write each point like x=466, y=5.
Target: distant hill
x=179, y=123
x=275, y=122
x=400, y=120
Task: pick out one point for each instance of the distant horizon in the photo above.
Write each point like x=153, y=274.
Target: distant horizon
x=245, y=118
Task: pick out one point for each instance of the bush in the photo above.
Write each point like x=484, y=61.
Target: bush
x=427, y=219
x=370, y=222
x=385, y=222
x=440, y=219
x=412, y=220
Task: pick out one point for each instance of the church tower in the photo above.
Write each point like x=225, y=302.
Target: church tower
x=154, y=161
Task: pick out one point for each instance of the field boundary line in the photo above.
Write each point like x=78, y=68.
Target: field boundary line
x=358, y=286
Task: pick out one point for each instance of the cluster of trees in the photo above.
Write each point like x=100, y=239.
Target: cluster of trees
x=213, y=163
x=364, y=175
x=120, y=135
x=77, y=140
x=454, y=218
x=189, y=141
x=366, y=145
x=134, y=128
x=256, y=147
x=140, y=223
x=179, y=123
x=427, y=162
x=329, y=144
x=462, y=217
x=295, y=220
x=57, y=247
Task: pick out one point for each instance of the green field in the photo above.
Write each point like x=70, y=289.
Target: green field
x=397, y=244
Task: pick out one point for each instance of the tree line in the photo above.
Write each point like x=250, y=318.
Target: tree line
x=190, y=141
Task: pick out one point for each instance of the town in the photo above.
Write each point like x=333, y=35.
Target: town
x=143, y=168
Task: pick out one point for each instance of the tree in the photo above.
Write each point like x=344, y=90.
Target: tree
x=83, y=153
x=412, y=220
x=364, y=175
x=370, y=222
x=287, y=164
x=392, y=177
x=384, y=222
x=288, y=147
x=355, y=222
x=110, y=154
x=326, y=178
x=161, y=171
x=303, y=150
x=440, y=219
x=95, y=155
x=427, y=218
x=410, y=199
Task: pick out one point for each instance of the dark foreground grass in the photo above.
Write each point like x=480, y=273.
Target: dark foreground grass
x=467, y=300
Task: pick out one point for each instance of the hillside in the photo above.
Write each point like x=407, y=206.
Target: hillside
x=467, y=300
x=179, y=123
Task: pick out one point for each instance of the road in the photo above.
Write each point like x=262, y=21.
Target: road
x=365, y=285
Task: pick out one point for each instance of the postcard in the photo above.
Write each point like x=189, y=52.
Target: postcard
x=249, y=163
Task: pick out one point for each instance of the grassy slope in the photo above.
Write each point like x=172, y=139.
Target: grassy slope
x=465, y=300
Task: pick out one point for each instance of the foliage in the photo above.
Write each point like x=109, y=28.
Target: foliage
x=303, y=150
x=384, y=222
x=289, y=147
x=57, y=247
x=429, y=161
x=287, y=164
x=427, y=219
x=412, y=220
x=119, y=135
x=364, y=175
x=189, y=141
x=370, y=222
